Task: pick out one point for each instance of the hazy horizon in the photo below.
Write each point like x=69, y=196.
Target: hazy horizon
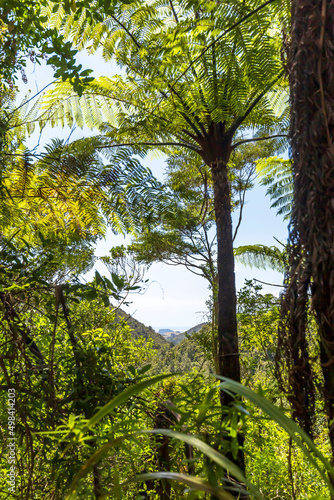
x=180, y=329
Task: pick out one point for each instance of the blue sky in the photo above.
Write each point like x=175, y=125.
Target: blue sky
x=174, y=298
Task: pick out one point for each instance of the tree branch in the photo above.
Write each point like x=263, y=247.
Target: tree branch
x=173, y=10
x=270, y=284
x=126, y=31
x=157, y=144
x=239, y=120
x=242, y=203
x=60, y=300
x=257, y=139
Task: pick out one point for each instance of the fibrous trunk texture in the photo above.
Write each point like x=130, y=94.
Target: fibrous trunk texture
x=293, y=367
x=311, y=136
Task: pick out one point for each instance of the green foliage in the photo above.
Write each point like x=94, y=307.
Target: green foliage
x=258, y=317
x=276, y=465
x=304, y=443
x=69, y=192
x=276, y=173
x=185, y=235
x=23, y=32
x=203, y=416
x=90, y=421
x=261, y=257
x=173, y=87
x=63, y=361
x=198, y=80
x=198, y=416
x=187, y=356
x=90, y=402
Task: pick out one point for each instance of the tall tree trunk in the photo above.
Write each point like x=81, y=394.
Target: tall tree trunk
x=312, y=132
x=214, y=320
x=216, y=151
x=216, y=154
x=228, y=347
x=228, y=351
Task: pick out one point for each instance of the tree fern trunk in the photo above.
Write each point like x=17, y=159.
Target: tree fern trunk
x=216, y=156
x=228, y=348
x=215, y=323
x=216, y=151
x=312, y=132
x=228, y=352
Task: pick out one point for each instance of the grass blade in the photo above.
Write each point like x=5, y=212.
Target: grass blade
x=295, y=432
x=122, y=397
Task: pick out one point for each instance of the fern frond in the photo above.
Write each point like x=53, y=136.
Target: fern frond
x=261, y=257
x=276, y=174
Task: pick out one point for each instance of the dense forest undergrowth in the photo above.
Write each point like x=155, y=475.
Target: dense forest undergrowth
x=93, y=404
x=65, y=374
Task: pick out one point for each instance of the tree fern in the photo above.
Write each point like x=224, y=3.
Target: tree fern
x=199, y=76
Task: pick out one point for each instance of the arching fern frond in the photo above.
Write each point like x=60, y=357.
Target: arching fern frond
x=69, y=193
x=261, y=257
x=172, y=85
x=276, y=174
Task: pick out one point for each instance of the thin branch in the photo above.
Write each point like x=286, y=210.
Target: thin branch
x=9, y=240
x=185, y=131
x=126, y=31
x=47, y=115
x=270, y=284
x=242, y=203
x=255, y=139
x=173, y=10
x=188, y=120
x=189, y=266
x=210, y=257
x=165, y=96
x=60, y=300
x=278, y=241
x=33, y=97
x=157, y=144
x=51, y=357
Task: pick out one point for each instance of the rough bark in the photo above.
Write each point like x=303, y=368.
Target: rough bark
x=311, y=135
x=293, y=367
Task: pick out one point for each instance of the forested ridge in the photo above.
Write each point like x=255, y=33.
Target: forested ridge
x=230, y=95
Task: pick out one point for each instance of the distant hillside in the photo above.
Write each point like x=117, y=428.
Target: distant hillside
x=178, y=338
x=165, y=330
x=140, y=330
x=169, y=335
x=171, y=356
